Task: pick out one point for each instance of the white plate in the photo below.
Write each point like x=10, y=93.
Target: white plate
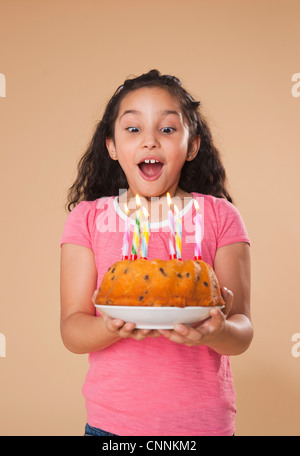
x=157, y=317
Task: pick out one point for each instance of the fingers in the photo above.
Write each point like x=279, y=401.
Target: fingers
x=228, y=298
x=197, y=335
x=111, y=324
x=182, y=334
x=94, y=296
x=141, y=334
x=128, y=329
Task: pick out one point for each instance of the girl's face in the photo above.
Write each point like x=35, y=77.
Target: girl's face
x=151, y=141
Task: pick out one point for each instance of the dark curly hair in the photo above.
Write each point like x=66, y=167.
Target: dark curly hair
x=99, y=175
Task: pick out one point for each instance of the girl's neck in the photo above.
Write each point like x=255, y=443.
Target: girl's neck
x=157, y=207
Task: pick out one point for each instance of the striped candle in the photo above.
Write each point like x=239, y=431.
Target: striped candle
x=126, y=237
x=145, y=235
x=137, y=231
x=198, y=232
x=172, y=239
x=178, y=231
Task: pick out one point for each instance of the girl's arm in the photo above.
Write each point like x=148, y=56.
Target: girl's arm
x=81, y=330
x=228, y=334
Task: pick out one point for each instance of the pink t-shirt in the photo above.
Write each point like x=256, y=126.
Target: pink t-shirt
x=157, y=387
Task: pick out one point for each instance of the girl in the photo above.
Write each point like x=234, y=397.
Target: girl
x=151, y=140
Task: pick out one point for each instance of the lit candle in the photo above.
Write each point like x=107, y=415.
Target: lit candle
x=178, y=231
x=172, y=241
x=137, y=230
x=145, y=235
x=198, y=232
x=125, y=249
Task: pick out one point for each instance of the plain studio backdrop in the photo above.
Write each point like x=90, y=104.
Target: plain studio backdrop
x=60, y=61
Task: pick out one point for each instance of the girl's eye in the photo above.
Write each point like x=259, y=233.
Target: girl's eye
x=168, y=130
x=133, y=129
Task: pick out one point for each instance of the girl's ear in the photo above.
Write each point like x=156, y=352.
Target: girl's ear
x=193, y=149
x=110, y=145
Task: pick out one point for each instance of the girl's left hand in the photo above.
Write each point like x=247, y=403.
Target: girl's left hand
x=204, y=332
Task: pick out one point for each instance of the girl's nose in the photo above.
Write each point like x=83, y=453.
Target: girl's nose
x=149, y=140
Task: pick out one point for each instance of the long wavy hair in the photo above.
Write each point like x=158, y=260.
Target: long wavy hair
x=99, y=175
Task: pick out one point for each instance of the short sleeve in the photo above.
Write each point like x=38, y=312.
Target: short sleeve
x=77, y=229
x=231, y=227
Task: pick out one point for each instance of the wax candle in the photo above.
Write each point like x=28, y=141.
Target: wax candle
x=145, y=235
x=137, y=230
x=178, y=232
x=198, y=232
x=172, y=240
x=126, y=237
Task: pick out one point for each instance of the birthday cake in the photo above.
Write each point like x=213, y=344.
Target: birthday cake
x=159, y=283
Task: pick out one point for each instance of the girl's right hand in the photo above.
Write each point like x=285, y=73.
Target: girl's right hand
x=126, y=329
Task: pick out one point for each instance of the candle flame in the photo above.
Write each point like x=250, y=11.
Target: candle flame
x=126, y=209
x=196, y=205
x=138, y=201
x=169, y=199
x=176, y=209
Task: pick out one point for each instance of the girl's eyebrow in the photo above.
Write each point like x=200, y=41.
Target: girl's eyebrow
x=168, y=112
x=163, y=113
x=129, y=111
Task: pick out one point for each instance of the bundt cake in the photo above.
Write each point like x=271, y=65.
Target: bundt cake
x=158, y=283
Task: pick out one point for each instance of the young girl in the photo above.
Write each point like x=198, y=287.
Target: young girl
x=152, y=140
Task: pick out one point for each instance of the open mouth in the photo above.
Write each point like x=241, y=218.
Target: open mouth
x=150, y=169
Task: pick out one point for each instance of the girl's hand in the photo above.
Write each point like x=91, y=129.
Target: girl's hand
x=126, y=329
x=205, y=332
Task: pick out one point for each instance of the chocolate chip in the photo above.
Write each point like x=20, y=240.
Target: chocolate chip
x=198, y=278
x=163, y=272
x=113, y=270
x=126, y=270
x=188, y=274
x=146, y=277
x=205, y=284
x=141, y=298
x=179, y=275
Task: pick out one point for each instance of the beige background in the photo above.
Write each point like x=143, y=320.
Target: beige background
x=62, y=60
